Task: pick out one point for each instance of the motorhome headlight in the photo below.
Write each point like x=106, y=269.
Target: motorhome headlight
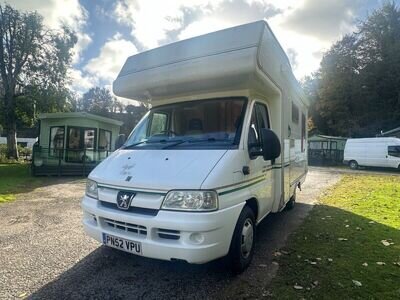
x=91, y=189
x=191, y=201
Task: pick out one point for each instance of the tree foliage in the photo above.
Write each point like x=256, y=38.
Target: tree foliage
x=356, y=91
x=33, y=62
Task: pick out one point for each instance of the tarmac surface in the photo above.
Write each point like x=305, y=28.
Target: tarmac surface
x=44, y=253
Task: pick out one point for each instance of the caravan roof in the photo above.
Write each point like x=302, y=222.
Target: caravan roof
x=243, y=57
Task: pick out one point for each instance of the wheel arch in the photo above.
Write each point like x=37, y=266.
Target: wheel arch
x=253, y=204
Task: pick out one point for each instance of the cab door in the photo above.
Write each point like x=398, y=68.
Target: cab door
x=393, y=156
x=260, y=170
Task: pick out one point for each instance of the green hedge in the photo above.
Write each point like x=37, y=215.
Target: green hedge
x=24, y=152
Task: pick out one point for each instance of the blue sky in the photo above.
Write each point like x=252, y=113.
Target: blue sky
x=109, y=31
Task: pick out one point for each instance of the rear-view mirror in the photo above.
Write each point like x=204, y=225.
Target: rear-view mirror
x=271, y=146
x=120, y=141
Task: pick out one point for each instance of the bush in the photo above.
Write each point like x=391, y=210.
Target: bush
x=24, y=153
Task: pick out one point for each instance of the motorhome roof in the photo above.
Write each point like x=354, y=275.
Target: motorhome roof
x=242, y=57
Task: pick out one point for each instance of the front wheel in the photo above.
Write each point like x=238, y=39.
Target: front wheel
x=243, y=241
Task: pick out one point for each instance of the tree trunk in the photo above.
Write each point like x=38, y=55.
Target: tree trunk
x=12, y=150
x=11, y=125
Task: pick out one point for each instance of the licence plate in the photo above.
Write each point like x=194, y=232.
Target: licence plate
x=122, y=244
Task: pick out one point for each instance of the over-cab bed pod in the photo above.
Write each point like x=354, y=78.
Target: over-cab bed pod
x=242, y=57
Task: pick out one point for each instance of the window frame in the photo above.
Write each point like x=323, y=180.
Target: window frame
x=63, y=147
x=152, y=119
x=254, y=109
x=303, y=131
x=394, y=146
x=82, y=142
x=105, y=130
x=238, y=133
x=296, y=108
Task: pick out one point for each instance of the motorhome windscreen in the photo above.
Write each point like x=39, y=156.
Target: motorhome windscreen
x=200, y=124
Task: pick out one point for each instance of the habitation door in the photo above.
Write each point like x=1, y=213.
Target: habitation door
x=81, y=144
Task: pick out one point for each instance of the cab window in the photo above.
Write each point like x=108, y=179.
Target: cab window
x=259, y=120
x=158, y=123
x=394, y=151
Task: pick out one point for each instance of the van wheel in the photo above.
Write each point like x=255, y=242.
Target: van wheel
x=292, y=201
x=242, y=245
x=353, y=165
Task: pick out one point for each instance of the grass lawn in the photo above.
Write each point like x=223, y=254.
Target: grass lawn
x=15, y=178
x=349, y=245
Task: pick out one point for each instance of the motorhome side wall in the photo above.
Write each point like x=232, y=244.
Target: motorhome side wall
x=293, y=115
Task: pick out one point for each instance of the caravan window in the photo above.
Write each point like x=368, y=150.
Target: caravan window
x=303, y=132
x=104, y=140
x=56, y=143
x=394, y=151
x=295, y=113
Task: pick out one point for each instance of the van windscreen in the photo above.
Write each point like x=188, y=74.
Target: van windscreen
x=201, y=124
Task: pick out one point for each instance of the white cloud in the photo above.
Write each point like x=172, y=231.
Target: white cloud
x=113, y=54
x=152, y=20
x=152, y=23
x=326, y=20
x=58, y=12
x=203, y=26
x=81, y=82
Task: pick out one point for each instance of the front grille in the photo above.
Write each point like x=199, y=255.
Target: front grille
x=127, y=227
x=132, y=209
x=168, y=234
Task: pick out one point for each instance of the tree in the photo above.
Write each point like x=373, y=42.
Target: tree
x=356, y=91
x=31, y=57
x=99, y=101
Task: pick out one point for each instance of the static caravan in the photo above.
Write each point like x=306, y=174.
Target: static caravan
x=223, y=145
x=73, y=143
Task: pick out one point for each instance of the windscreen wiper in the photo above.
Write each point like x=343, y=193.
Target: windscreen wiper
x=177, y=142
x=133, y=145
x=192, y=141
x=152, y=142
x=211, y=139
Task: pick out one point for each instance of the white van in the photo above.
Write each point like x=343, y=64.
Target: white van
x=372, y=152
x=223, y=145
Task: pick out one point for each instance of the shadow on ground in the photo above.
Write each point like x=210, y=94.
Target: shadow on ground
x=107, y=273
x=111, y=274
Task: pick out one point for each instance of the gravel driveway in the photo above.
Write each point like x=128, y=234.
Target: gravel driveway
x=44, y=253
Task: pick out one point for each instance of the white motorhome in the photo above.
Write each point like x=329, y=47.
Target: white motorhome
x=223, y=145
x=372, y=152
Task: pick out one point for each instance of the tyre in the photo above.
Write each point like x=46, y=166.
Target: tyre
x=243, y=241
x=353, y=165
x=292, y=201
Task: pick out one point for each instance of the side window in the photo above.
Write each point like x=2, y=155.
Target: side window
x=158, y=123
x=394, y=151
x=259, y=120
x=262, y=116
x=56, y=141
x=105, y=140
x=303, y=132
x=254, y=132
x=295, y=113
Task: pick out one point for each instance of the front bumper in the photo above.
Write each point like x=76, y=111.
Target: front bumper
x=193, y=237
